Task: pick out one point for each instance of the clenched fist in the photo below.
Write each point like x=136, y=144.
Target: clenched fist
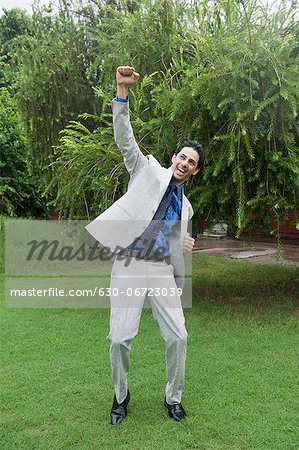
x=188, y=243
x=126, y=76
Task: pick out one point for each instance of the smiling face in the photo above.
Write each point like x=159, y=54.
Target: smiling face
x=184, y=164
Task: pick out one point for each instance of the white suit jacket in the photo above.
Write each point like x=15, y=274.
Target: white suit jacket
x=130, y=215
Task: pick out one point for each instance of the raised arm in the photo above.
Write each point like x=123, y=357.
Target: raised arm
x=123, y=132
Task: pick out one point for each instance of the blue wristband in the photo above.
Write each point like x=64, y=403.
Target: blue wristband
x=122, y=100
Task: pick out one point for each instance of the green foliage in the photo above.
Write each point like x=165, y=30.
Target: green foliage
x=221, y=72
x=238, y=95
x=50, y=82
x=13, y=24
x=17, y=193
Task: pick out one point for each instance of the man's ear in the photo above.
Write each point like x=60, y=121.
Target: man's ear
x=173, y=157
x=196, y=171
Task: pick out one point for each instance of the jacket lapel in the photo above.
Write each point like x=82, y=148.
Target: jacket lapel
x=166, y=175
x=184, y=218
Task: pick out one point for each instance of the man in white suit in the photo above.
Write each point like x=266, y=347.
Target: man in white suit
x=148, y=225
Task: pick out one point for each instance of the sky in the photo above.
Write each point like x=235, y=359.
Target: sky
x=8, y=4
x=26, y=4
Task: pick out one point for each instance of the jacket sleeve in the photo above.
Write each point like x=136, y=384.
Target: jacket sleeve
x=124, y=138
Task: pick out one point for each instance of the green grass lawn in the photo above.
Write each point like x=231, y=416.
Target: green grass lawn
x=240, y=390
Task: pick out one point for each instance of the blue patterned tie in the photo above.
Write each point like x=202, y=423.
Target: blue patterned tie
x=149, y=236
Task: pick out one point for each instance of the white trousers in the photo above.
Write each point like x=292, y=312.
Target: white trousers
x=130, y=284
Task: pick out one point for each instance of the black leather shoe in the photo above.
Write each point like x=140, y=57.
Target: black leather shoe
x=119, y=410
x=175, y=412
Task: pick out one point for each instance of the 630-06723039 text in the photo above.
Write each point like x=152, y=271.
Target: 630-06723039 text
x=97, y=291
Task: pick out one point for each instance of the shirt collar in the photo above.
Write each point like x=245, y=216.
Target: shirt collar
x=179, y=187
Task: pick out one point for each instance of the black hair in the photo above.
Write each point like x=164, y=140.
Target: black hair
x=197, y=147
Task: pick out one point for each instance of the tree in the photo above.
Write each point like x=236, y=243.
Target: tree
x=17, y=192
x=13, y=23
x=221, y=72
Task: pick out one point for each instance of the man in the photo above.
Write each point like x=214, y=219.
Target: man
x=150, y=224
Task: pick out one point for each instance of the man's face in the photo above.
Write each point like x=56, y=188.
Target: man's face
x=184, y=164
